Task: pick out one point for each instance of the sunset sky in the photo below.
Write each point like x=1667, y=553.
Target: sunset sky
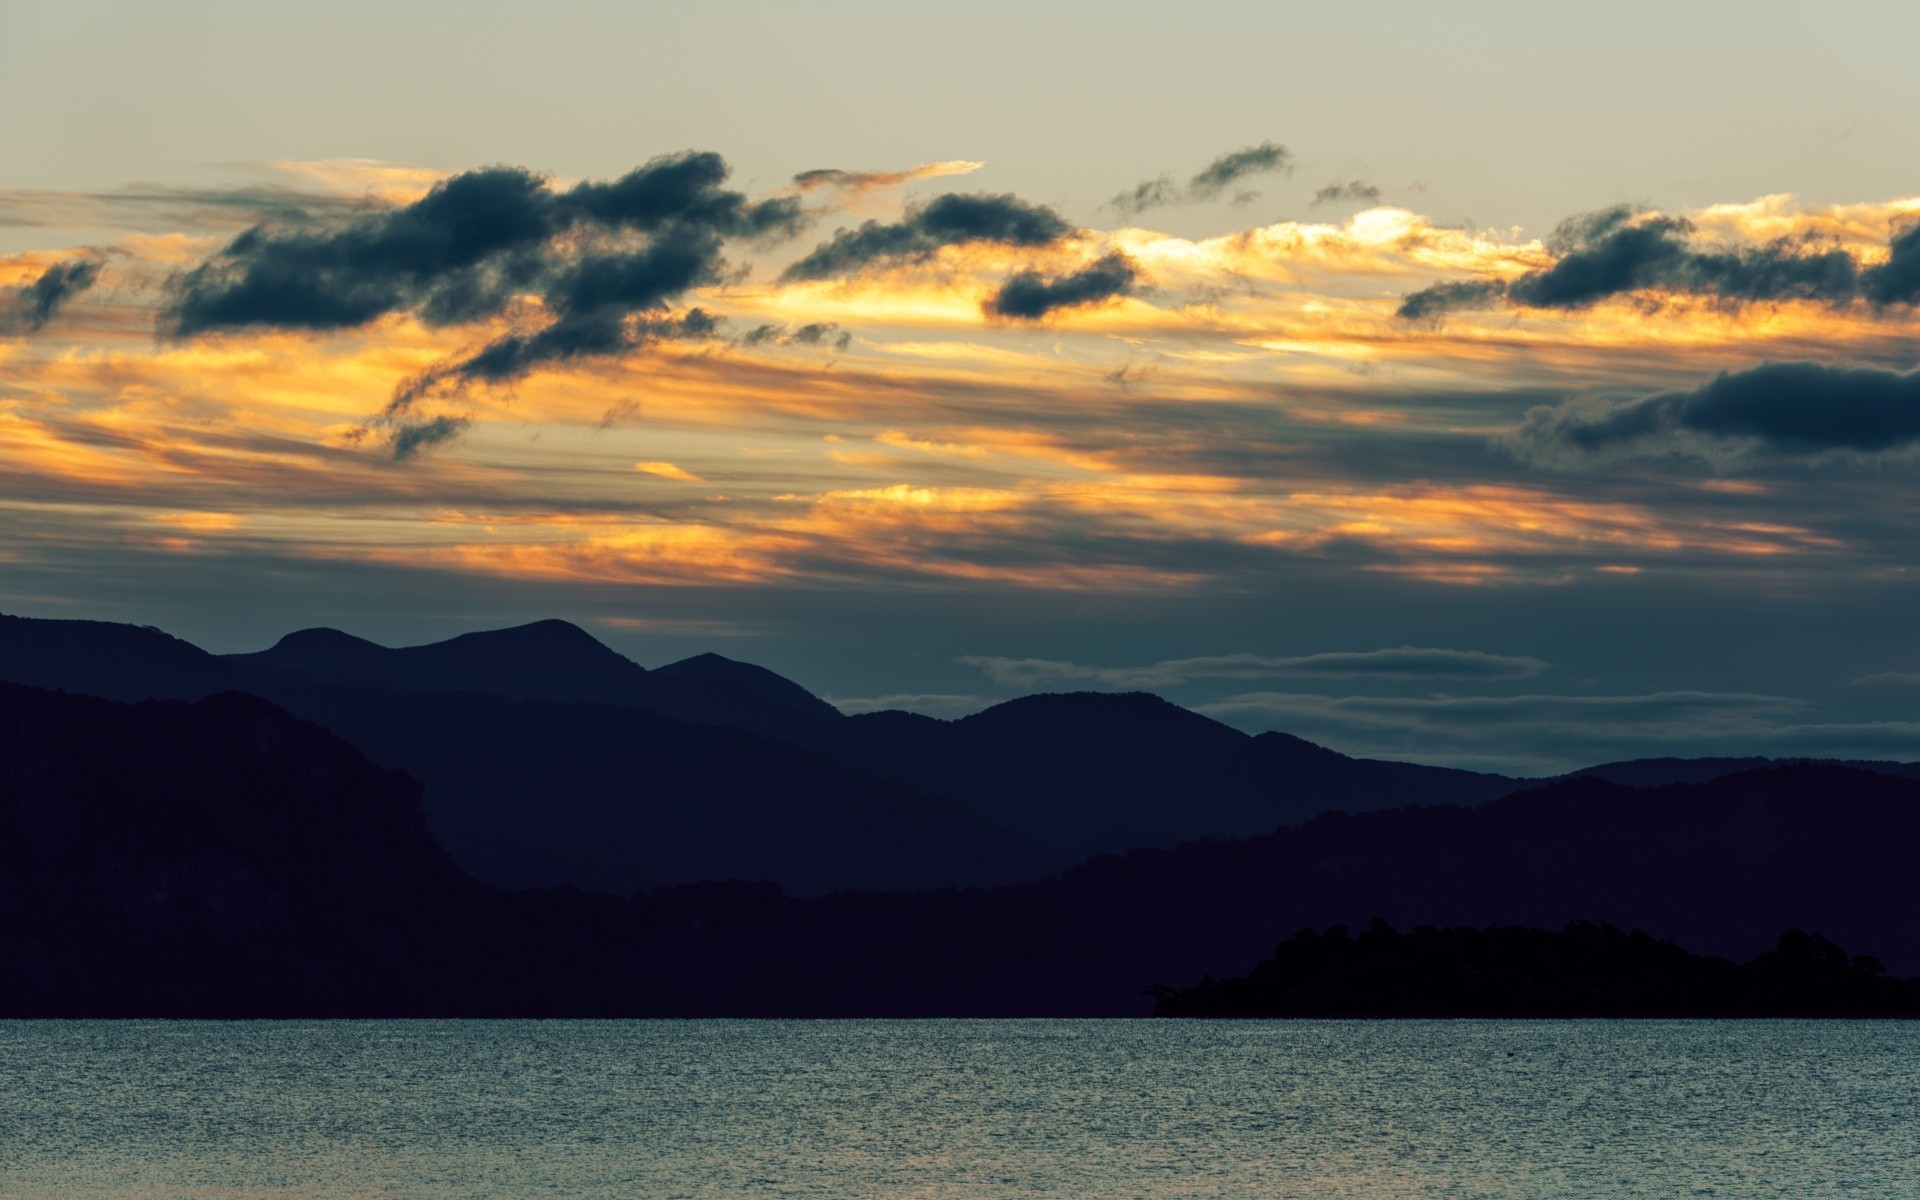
x=1496, y=386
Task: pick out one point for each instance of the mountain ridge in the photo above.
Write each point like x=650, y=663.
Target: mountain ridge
x=234, y=860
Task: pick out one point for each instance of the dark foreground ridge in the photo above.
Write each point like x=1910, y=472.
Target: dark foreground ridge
x=1587, y=970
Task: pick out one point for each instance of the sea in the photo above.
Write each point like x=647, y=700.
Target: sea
x=957, y=1110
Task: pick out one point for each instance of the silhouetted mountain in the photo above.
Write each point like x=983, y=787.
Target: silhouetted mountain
x=1089, y=772
x=1587, y=970
x=550, y=660
x=147, y=849
x=224, y=858
x=528, y=792
x=221, y=858
x=120, y=662
x=533, y=793
x=621, y=800
x=1102, y=771
x=713, y=671
x=1658, y=772
x=1720, y=868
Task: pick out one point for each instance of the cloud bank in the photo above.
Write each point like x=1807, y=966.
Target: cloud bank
x=1616, y=251
x=1800, y=409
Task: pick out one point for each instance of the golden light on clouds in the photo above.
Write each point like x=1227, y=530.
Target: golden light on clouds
x=1254, y=396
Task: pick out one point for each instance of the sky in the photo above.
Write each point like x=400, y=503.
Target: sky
x=1508, y=386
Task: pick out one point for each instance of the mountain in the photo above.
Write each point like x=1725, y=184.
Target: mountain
x=147, y=849
x=550, y=660
x=529, y=788
x=540, y=792
x=1657, y=772
x=229, y=859
x=102, y=658
x=533, y=793
x=1106, y=772
x=226, y=859
x=1720, y=868
x=1087, y=772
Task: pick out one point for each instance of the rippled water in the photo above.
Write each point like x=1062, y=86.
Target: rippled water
x=585, y=1110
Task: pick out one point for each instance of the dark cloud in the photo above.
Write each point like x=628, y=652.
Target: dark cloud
x=1431, y=303
x=806, y=181
x=1029, y=295
x=1897, y=281
x=1794, y=408
x=683, y=189
x=32, y=306
x=814, y=334
x=462, y=252
x=1615, y=252
x=465, y=228
x=1352, y=191
x=1213, y=179
x=949, y=220
x=1148, y=193
x=411, y=437
x=1236, y=165
x=598, y=332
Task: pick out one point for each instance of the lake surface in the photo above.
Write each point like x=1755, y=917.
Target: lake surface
x=950, y=1109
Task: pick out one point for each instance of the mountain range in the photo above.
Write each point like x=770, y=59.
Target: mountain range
x=482, y=826
x=548, y=758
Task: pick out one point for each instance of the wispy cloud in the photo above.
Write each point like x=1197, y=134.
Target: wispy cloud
x=1209, y=182
x=1545, y=733
x=861, y=182
x=1400, y=662
x=1353, y=191
x=932, y=704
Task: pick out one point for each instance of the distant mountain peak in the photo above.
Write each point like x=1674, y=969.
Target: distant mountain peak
x=321, y=638
x=768, y=685
x=552, y=635
x=705, y=660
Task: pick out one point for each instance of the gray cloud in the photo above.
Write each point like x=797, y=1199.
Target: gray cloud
x=1235, y=165
x=1399, y=662
x=1356, y=191
x=463, y=250
x=1615, y=251
x=32, y=306
x=932, y=704
x=1552, y=733
x=1211, y=180
x=949, y=220
x=1895, y=678
x=411, y=437
x=1029, y=295
x=814, y=334
x=1793, y=409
